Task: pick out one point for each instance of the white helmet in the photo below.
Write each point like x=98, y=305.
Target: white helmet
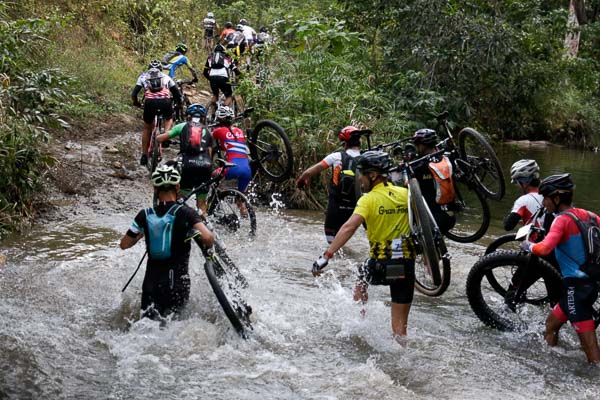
x=524, y=170
x=224, y=112
x=165, y=175
x=210, y=15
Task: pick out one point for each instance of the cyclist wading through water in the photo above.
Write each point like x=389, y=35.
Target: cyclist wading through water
x=165, y=227
x=579, y=291
x=526, y=174
x=159, y=90
x=342, y=198
x=384, y=208
x=196, y=152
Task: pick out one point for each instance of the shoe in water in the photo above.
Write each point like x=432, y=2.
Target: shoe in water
x=144, y=159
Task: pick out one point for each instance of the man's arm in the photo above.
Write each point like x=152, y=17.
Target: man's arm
x=511, y=220
x=207, y=236
x=309, y=173
x=134, y=95
x=128, y=240
x=345, y=233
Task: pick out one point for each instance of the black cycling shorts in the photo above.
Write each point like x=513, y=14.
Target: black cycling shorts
x=165, y=293
x=401, y=290
x=576, y=303
x=154, y=107
x=220, y=83
x=336, y=216
x=194, y=172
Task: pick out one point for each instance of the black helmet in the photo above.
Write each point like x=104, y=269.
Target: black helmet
x=219, y=48
x=181, y=48
x=561, y=183
x=263, y=29
x=228, y=24
x=372, y=160
x=425, y=136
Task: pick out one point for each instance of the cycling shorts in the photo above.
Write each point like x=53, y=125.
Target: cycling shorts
x=154, y=107
x=241, y=172
x=195, y=172
x=576, y=303
x=209, y=33
x=401, y=290
x=220, y=83
x=165, y=292
x=335, y=217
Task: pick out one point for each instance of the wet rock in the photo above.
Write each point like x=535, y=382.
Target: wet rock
x=2, y=259
x=72, y=146
x=111, y=150
x=117, y=165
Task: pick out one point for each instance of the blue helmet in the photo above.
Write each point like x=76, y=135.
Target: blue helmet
x=196, y=110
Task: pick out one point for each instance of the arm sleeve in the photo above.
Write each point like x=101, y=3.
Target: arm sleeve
x=176, y=93
x=511, y=221
x=136, y=90
x=551, y=240
x=137, y=225
x=176, y=131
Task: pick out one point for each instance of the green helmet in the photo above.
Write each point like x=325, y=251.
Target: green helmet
x=165, y=175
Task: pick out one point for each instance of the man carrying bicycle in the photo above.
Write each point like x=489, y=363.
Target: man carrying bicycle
x=435, y=179
x=233, y=141
x=579, y=290
x=218, y=69
x=342, y=198
x=196, y=151
x=165, y=227
x=172, y=60
x=159, y=90
x=384, y=208
x=526, y=174
x=210, y=27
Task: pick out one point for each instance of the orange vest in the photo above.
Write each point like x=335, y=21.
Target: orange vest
x=442, y=175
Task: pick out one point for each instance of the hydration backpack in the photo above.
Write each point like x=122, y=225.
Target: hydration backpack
x=345, y=189
x=442, y=178
x=160, y=232
x=154, y=80
x=218, y=60
x=192, y=139
x=166, y=60
x=590, y=233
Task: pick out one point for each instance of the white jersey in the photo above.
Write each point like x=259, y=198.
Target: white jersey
x=335, y=159
x=209, y=23
x=527, y=205
x=249, y=33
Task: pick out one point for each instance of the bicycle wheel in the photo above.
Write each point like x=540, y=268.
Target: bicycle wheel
x=232, y=209
x=211, y=113
x=485, y=166
x=507, y=242
x=236, y=310
x=472, y=214
x=271, y=149
x=543, y=287
x=425, y=229
x=423, y=278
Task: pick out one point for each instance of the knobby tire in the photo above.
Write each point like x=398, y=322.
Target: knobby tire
x=472, y=210
x=486, y=167
x=271, y=150
x=491, y=309
x=226, y=213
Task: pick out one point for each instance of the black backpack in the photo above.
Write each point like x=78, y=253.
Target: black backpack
x=590, y=233
x=154, y=80
x=345, y=189
x=218, y=60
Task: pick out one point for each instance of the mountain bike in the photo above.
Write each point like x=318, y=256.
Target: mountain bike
x=507, y=289
x=154, y=147
x=432, y=266
x=179, y=109
x=270, y=148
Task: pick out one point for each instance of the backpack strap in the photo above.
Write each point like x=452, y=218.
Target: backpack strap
x=174, y=208
x=583, y=230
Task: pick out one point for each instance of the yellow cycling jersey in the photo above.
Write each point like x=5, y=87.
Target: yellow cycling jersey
x=385, y=210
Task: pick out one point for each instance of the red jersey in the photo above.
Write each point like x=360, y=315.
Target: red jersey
x=232, y=140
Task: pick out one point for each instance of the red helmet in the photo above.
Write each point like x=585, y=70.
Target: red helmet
x=346, y=133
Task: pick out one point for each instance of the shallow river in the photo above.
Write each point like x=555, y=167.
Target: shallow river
x=67, y=331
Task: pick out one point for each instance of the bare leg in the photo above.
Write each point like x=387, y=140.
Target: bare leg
x=553, y=325
x=400, y=318
x=589, y=343
x=228, y=101
x=168, y=124
x=146, y=137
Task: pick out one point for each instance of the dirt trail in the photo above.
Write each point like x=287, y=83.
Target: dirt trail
x=97, y=169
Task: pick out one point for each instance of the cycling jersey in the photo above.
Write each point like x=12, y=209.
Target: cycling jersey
x=174, y=60
x=249, y=33
x=226, y=32
x=564, y=236
x=209, y=26
x=385, y=210
x=527, y=205
x=164, y=93
x=210, y=70
x=334, y=160
x=233, y=141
